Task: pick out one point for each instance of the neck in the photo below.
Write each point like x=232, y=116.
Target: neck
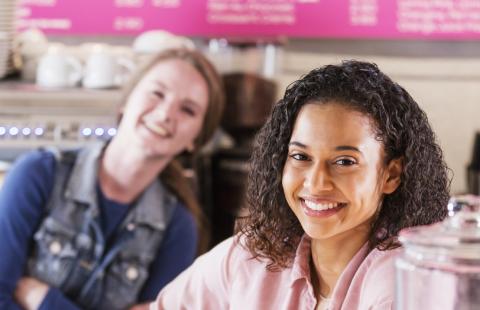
x=124, y=174
x=331, y=256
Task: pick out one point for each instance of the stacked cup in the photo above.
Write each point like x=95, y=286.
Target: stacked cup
x=7, y=31
x=58, y=68
x=106, y=66
x=155, y=41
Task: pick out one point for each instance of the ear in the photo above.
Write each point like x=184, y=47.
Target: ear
x=393, y=175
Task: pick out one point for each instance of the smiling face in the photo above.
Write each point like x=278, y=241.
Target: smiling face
x=334, y=176
x=165, y=111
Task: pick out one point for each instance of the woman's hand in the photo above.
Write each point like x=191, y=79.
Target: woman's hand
x=30, y=293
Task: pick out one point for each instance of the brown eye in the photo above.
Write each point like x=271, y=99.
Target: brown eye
x=298, y=156
x=158, y=94
x=345, y=162
x=188, y=111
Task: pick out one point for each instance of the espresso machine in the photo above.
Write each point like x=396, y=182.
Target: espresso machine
x=473, y=169
x=247, y=71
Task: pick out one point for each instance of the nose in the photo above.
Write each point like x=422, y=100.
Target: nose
x=318, y=178
x=165, y=112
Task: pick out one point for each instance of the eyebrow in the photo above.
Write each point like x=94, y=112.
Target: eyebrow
x=347, y=148
x=192, y=103
x=160, y=84
x=338, y=148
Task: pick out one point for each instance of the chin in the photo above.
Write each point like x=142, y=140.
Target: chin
x=159, y=153
x=154, y=151
x=317, y=236
x=318, y=233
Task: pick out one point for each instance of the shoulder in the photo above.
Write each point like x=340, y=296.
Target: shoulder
x=35, y=168
x=228, y=276
x=182, y=225
x=207, y=283
x=41, y=159
x=181, y=214
x=236, y=252
x=235, y=262
x=229, y=258
x=378, y=270
x=229, y=251
x=378, y=262
x=21, y=210
x=181, y=231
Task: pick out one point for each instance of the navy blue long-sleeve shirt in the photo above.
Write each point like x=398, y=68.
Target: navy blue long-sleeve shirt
x=23, y=197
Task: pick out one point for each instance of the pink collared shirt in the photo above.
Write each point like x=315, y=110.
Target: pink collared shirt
x=228, y=277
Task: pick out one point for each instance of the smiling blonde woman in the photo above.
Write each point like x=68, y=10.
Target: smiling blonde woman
x=107, y=226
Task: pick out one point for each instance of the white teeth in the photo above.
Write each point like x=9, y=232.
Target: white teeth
x=320, y=206
x=156, y=128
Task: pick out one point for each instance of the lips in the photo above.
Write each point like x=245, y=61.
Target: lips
x=157, y=129
x=321, y=207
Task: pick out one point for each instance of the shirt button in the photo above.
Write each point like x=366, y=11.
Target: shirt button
x=132, y=273
x=55, y=247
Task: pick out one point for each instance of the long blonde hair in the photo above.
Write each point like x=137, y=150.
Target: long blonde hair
x=172, y=176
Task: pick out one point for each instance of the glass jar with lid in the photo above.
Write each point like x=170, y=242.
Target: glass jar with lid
x=439, y=267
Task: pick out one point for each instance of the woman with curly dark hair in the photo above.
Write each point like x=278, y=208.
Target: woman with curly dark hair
x=346, y=160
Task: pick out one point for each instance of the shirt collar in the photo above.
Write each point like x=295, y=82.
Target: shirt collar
x=81, y=185
x=301, y=262
x=340, y=290
x=85, y=174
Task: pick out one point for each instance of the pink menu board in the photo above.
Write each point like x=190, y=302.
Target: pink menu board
x=387, y=19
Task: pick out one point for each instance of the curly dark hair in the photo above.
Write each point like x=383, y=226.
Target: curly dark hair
x=272, y=230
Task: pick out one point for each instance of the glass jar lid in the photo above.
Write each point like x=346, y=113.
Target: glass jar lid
x=457, y=237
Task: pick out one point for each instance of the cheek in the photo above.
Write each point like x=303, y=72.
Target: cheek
x=366, y=190
x=191, y=130
x=291, y=181
x=136, y=109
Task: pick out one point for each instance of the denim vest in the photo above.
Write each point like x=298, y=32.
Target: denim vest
x=70, y=250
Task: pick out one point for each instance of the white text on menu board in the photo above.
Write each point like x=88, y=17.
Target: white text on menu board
x=43, y=23
x=253, y=12
x=363, y=12
x=140, y=3
x=119, y=22
x=136, y=23
x=441, y=16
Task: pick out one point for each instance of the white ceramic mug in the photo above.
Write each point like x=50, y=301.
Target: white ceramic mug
x=155, y=41
x=58, y=70
x=29, y=69
x=104, y=69
x=31, y=43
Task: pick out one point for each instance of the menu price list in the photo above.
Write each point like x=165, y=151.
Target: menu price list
x=251, y=12
x=389, y=19
x=438, y=17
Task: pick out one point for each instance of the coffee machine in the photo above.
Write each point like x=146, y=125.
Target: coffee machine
x=250, y=94
x=473, y=169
